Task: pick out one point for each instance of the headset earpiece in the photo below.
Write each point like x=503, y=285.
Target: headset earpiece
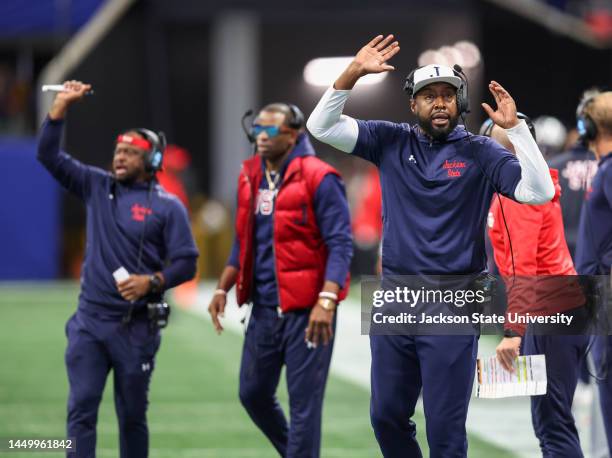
x=487, y=126
x=587, y=129
x=529, y=123
x=409, y=83
x=297, y=117
x=157, y=154
x=463, y=101
x=154, y=158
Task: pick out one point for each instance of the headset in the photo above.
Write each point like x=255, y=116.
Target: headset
x=155, y=157
x=587, y=129
x=462, y=90
x=487, y=126
x=297, y=117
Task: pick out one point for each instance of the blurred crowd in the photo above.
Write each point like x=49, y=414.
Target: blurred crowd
x=596, y=13
x=16, y=107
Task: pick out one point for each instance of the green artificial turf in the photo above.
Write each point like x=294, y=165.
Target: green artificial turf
x=194, y=411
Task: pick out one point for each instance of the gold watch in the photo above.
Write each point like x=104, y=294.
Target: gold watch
x=327, y=304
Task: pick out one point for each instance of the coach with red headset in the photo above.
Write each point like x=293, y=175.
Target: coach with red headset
x=290, y=259
x=132, y=223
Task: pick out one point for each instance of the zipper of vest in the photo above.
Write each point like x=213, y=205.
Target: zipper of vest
x=275, y=199
x=246, y=244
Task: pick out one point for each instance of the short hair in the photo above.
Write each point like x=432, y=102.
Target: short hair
x=586, y=98
x=600, y=111
x=280, y=108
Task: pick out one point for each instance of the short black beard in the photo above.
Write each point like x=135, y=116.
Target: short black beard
x=435, y=133
x=131, y=179
x=126, y=181
x=276, y=159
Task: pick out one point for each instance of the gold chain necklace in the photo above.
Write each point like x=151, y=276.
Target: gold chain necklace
x=272, y=182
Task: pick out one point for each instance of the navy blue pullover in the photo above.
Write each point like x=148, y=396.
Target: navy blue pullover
x=576, y=167
x=333, y=219
x=115, y=222
x=435, y=195
x=594, y=247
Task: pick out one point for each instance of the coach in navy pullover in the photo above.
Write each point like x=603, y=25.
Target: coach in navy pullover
x=437, y=181
x=577, y=167
x=594, y=247
x=131, y=223
x=114, y=226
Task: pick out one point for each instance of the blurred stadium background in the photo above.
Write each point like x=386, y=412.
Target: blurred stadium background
x=192, y=68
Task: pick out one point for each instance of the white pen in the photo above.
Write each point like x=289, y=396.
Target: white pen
x=59, y=88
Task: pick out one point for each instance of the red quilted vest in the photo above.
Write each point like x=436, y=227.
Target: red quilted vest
x=301, y=254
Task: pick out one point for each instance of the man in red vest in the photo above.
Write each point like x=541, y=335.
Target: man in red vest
x=532, y=255
x=290, y=259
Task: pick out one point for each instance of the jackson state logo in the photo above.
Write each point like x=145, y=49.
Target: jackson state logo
x=454, y=168
x=139, y=213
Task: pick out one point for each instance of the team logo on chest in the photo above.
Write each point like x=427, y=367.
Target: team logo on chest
x=265, y=202
x=139, y=213
x=579, y=174
x=454, y=169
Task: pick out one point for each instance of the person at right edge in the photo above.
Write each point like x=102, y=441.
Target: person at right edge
x=437, y=181
x=533, y=258
x=577, y=167
x=594, y=246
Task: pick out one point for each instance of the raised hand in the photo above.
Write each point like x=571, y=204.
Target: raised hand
x=73, y=91
x=505, y=115
x=372, y=58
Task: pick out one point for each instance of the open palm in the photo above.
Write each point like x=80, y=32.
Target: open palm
x=373, y=57
x=505, y=115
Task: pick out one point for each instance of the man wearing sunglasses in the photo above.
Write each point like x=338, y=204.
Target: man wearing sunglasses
x=290, y=259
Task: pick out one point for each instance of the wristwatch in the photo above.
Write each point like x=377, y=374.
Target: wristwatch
x=327, y=304
x=511, y=333
x=155, y=284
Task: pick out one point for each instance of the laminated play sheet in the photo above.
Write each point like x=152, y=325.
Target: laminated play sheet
x=528, y=379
